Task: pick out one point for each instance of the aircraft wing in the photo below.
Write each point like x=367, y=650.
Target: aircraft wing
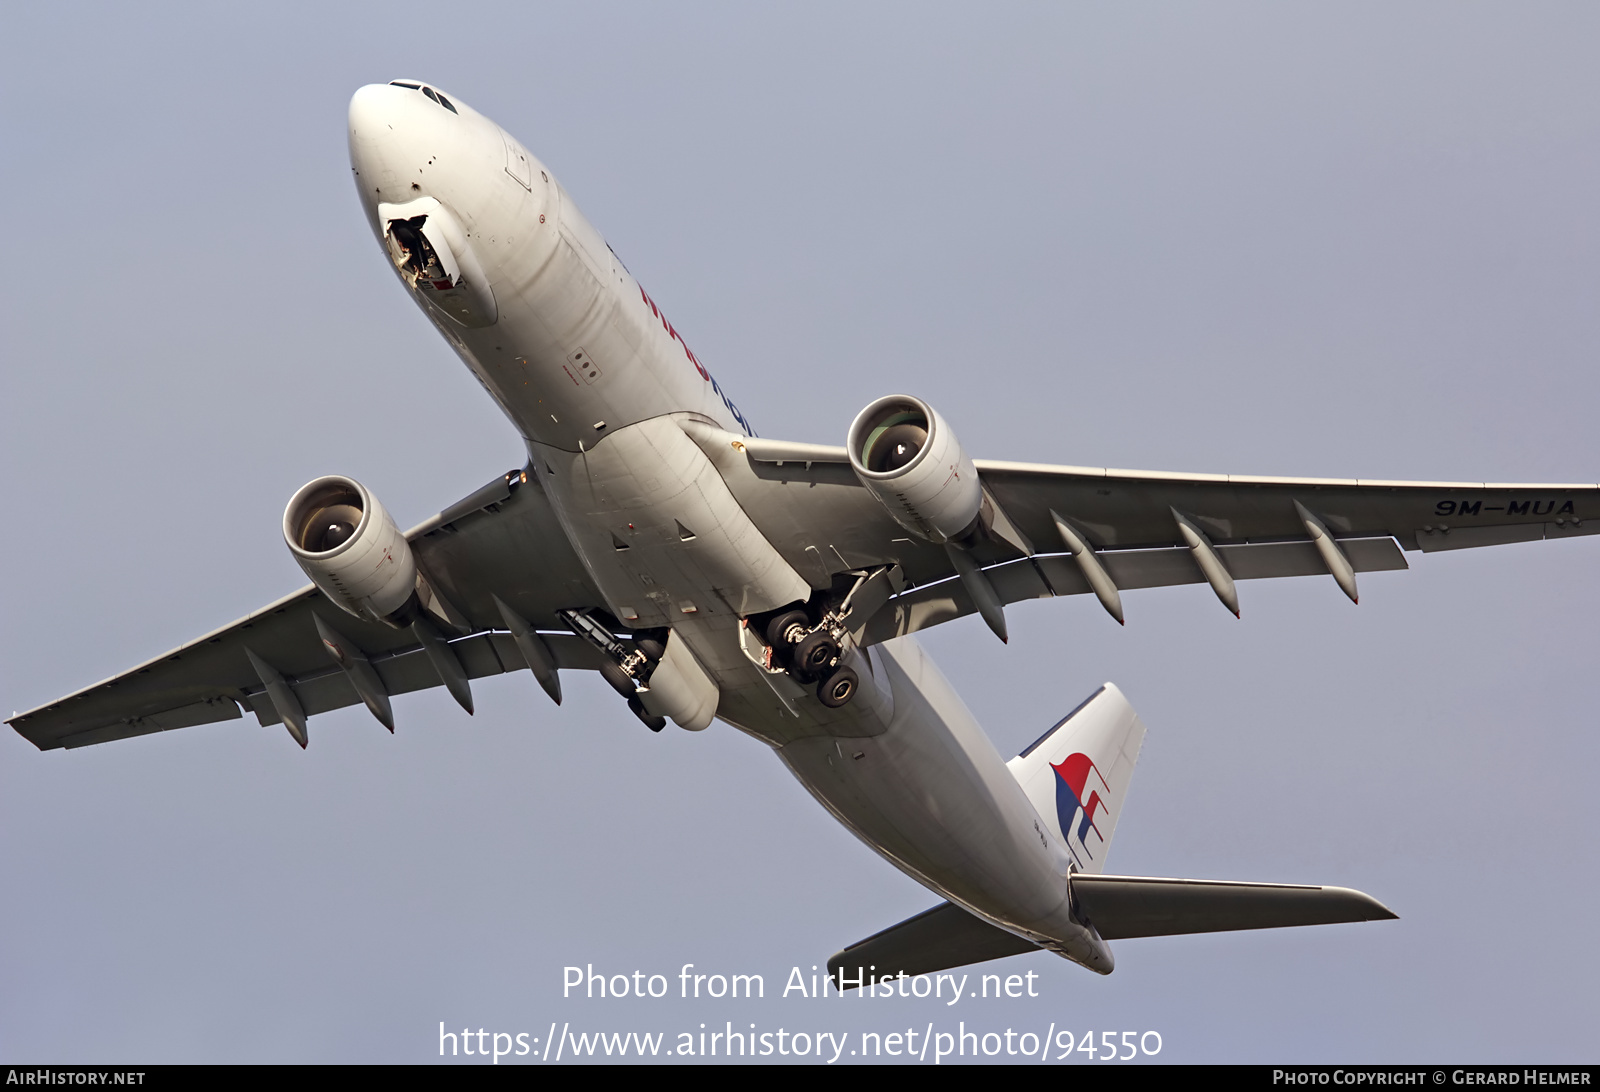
x=503, y=540
x=1139, y=529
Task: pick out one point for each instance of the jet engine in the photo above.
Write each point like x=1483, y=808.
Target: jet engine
x=351, y=549
x=907, y=457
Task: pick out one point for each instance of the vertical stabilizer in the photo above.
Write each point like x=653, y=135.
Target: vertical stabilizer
x=1076, y=775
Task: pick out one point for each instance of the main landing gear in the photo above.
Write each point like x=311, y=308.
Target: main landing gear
x=623, y=669
x=811, y=653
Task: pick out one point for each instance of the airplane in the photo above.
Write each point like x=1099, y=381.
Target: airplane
x=705, y=572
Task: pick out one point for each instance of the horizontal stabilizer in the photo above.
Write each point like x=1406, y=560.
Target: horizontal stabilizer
x=946, y=936
x=1120, y=907
x=1137, y=906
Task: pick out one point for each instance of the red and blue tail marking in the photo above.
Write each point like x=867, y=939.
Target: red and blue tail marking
x=1074, y=794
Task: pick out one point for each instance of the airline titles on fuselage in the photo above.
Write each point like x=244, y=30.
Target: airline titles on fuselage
x=699, y=367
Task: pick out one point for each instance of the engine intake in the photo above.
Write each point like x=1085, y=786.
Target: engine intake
x=908, y=457
x=351, y=549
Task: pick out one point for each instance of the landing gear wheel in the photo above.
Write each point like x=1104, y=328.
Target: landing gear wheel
x=653, y=649
x=612, y=672
x=813, y=655
x=838, y=688
x=651, y=721
x=785, y=631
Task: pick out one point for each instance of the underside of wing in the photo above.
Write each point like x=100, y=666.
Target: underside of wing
x=1130, y=509
x=1046, y=575
x=303, y=656
x=1063, y=530
x=1121, y=907
x=935, y=940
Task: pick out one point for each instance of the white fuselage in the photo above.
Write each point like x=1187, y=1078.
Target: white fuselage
x=602, y=387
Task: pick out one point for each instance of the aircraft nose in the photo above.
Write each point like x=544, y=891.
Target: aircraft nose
x=376, y=110
x=383, y=128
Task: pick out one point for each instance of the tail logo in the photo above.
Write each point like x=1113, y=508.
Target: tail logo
x=1074, y=794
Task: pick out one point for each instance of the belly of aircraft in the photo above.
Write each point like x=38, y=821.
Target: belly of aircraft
x=578, y=360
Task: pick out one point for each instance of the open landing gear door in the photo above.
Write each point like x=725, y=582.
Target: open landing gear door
x=435, y=259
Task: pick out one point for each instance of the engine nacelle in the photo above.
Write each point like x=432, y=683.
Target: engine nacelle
x=351, y=549
x=907, y=457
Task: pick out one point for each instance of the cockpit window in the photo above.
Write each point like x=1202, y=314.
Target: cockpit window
x=438, y=98
x=430, y=92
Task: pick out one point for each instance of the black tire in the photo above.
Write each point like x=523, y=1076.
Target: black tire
x=777, y=633
x=653, y=649
x=612, y=672
x=649, y=719
x=813, y=655
x=837, y=689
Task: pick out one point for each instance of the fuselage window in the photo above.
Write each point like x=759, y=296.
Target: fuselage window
x=429, y=92
x=402, y=83
x=444, y=102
